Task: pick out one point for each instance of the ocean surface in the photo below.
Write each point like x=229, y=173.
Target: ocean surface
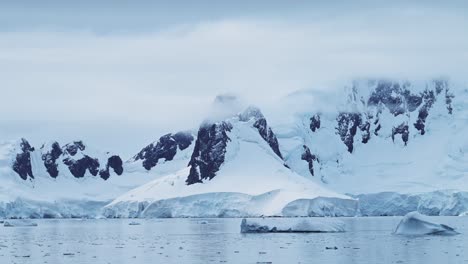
x=366, y=240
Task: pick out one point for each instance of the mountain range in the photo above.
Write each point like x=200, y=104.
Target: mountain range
x=379, y=147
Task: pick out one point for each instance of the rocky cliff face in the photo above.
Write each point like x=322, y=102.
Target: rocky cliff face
x=22, y=163
x=382, y=110
x=213, y=139
x=72, y=156
x=165, y=148
x=209, y=152
x=394, y=97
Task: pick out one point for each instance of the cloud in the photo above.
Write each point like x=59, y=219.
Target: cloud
x=166, y=79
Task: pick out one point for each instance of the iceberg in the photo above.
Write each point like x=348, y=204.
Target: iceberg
x=414, y=224
x=19, y=223
x=291, y=225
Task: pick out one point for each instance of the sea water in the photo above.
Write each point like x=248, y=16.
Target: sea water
x=366, y=240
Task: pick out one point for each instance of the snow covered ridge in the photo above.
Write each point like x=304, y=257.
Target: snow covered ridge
x=52, y=159
x=79, y=160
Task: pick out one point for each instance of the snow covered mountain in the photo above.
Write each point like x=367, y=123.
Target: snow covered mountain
x=383, y=136
x=60, y=181
x=383, y=142
x=236, y=169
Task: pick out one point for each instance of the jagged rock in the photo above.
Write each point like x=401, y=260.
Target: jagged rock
x=443, y=85
x=183, y=139
x=365, y=128
x=377, y=129
x=309, y=158
x=262, y=126
x=268, y=135
x=402, y=129
x=22, y=163
x=348, y=124
x=50, y=158
x=395, y=96
x=165, y=148
x=429, y=99
x=388, y=93
x=73, y=148
x=114, y=162
x=315, y=122
x=78, y=167
x=209, y=151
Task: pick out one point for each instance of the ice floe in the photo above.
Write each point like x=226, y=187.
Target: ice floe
x=291, y=225
x=415, y=223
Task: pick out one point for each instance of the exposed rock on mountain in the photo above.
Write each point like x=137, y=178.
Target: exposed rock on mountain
x=165, y=148
x=22, y=163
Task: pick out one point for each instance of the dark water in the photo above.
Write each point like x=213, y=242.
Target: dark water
x=367, y=240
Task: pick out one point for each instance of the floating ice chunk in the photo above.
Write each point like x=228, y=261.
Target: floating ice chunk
x=291, y=225
x=18, y=223
x=415, y=223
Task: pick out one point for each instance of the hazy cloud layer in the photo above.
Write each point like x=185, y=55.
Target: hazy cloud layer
x=77, y=82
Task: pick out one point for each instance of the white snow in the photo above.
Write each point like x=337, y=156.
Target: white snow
x=291, y=225
x=415, y=223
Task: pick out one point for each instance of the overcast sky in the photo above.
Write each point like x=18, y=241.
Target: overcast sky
x=119, y=74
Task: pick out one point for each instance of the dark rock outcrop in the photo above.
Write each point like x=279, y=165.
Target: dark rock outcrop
x=267, y=134
x=348, y=123
x=429, y=99
x=395, y=96
x=50, y=159
x=402, y=129
x=365, y=128
x=73, y=148
x=22, y=163
x=79, y=167
x=309, y=158
x=209, y=151
x=114, y=162
x=165, y=148
x=315, y=122
x=261, y=125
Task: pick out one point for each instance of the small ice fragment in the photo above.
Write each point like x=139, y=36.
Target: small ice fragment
x=415, y=223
